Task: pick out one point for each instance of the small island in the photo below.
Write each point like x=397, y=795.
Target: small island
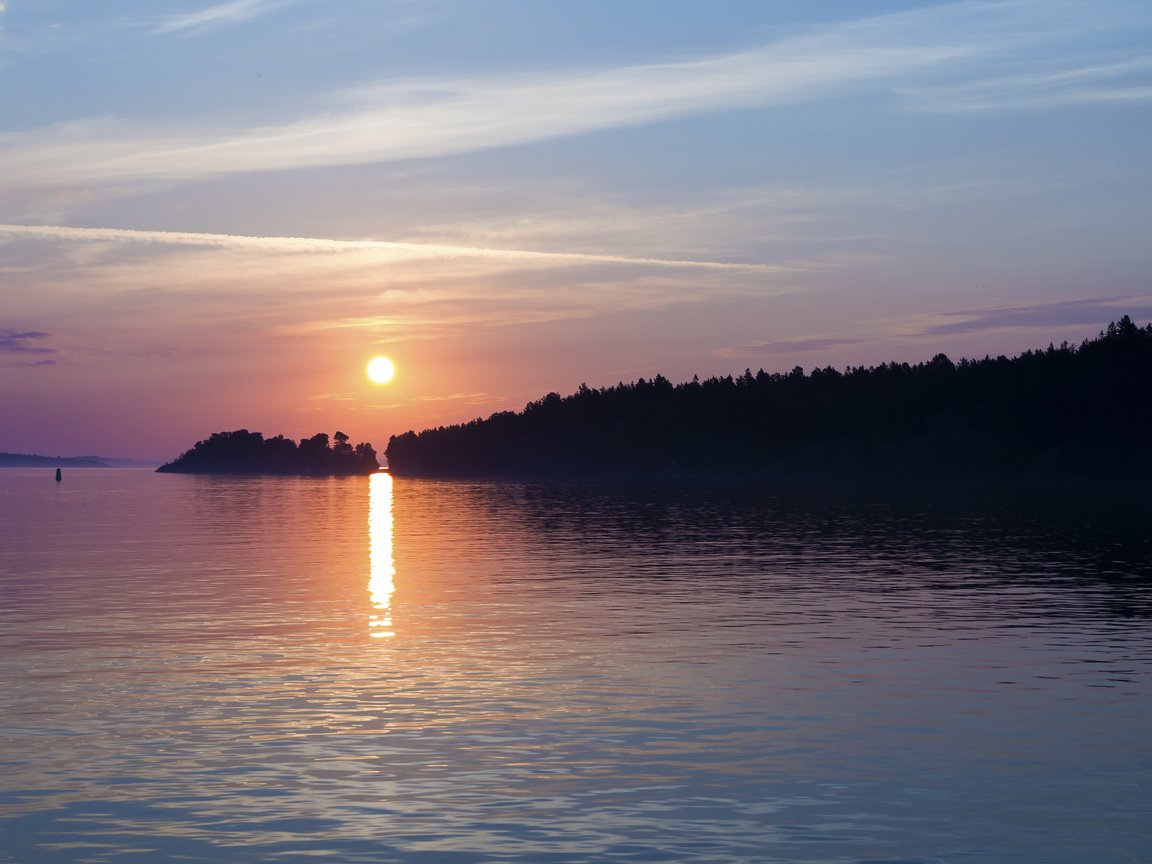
x=244, y=452
x=1067, y=411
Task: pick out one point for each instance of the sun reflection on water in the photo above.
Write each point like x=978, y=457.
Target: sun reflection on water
x=382, y=566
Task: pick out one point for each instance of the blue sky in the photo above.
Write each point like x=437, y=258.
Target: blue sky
x=212, y=214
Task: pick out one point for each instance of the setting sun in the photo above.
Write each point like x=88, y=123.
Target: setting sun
x=380, y=370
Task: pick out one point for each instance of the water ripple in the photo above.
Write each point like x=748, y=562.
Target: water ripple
x=194, y=669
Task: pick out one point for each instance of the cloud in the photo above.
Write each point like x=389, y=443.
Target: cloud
x=14, y=342
x=207, y=288
x=389, y=249
x=1048, y=317
x=1070, y=313
x=1127, y=80
x=791, y=345
x=434, y=117
x=333, y=397
x=468, y=398
x=220, y=15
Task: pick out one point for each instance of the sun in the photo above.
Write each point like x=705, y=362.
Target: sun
x=380, y=370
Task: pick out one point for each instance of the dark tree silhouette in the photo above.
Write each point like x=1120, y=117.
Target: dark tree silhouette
x=1069, y=410
x=244, y=452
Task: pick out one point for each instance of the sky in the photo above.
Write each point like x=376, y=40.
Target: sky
x=213, y=214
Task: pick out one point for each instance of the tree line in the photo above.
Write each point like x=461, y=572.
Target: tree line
x=1065, y=410
x=244, y=452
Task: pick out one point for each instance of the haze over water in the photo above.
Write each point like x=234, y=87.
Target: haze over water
x=378, y=669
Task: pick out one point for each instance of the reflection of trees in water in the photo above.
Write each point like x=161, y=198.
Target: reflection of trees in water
x=245, y=508
x=1001, y=551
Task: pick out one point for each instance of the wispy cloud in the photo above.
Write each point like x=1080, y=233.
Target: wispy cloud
x=1124, y=81
x=333, y=397
x=206, y=287
x=219, y=15
x=414, y=120
x=388, y=249
x=23, y=346
x=1053, y=320
x=24, y=342
x=1071, y=313
x=791, y=345
x=471, y=398
x=432, y=117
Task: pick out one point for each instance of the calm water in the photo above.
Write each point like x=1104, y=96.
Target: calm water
x=369, y=670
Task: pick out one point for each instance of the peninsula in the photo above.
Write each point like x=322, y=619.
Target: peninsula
x=1065, y=411
x=244, y=452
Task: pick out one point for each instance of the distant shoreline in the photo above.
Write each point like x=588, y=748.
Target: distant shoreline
x=31, y=460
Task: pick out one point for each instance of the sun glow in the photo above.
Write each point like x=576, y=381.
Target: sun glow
x=380, y=370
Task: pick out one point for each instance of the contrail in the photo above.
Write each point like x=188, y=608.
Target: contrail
x=316, y=244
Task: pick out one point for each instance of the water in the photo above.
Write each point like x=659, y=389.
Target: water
x=379, y=670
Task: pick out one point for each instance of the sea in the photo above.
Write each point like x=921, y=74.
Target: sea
x=379, y=669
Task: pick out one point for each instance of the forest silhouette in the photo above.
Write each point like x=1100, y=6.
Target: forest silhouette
x=1062, y=411
x=244, y=452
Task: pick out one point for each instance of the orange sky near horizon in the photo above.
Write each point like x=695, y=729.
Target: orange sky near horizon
x=189, y=335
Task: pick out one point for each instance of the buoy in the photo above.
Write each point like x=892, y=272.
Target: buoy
x=58, y=475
